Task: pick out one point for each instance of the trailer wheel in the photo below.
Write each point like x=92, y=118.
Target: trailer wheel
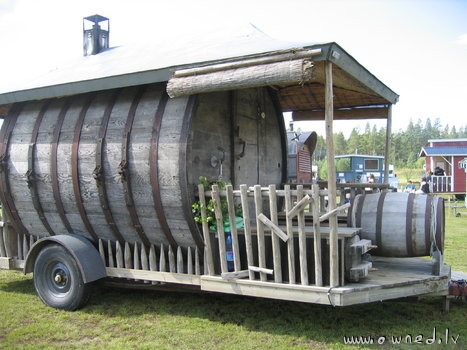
x=58, y=280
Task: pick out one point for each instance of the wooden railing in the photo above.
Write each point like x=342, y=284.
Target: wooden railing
x=441, y=184
x=279, y=228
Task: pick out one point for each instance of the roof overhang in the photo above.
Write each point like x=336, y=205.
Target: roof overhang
x=296, y=74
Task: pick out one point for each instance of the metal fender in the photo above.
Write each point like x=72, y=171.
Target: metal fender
x=81, y=249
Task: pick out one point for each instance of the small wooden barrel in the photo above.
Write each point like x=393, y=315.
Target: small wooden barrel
x=123, y=165
x=400, y=224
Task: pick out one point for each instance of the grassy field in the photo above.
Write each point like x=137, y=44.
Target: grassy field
x=124, y=319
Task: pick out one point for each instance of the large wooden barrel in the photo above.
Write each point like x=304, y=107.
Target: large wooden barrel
x=400, y=224
x=123, y=165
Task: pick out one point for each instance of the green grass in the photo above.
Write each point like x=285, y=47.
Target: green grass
x=123, y=319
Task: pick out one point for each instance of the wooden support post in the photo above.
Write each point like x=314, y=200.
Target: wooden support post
x=260, y=231
x=144, y=258
x=127, y=256
x=197, y=264
x=25, y=246
x=387, y=152
x=233, y=227
x=209, y=261
x=332, y=188
x=247, y=228
x=179, y=260
x=119, y=255
x=171, y=255
x=302, y=238
x=189, y=262
x=110, y=254
x=162, y=260
x=276, y=249
x=290, y=241
x=220, y=227
x=317, y=235
x=2, y=243
x=101, y=251
x=136, y=253
x=152, y=258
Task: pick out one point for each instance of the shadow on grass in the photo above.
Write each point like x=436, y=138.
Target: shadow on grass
x=22, y=284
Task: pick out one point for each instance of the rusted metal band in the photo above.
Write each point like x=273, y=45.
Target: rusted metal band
x=154, y=170
x=183, y=176
x=99, y=174
x=9, y=206
x=31, y=173
x=75, y=167
x=409, y=227
x=124, y=171
x=54, y=166
x=428, y=224
x=379, y=220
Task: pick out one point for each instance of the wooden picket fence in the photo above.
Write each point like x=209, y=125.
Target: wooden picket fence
x=283, y=220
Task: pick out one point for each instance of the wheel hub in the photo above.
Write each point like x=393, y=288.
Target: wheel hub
x=60, y=277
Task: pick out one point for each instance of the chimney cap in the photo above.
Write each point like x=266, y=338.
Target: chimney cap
x=96, y=18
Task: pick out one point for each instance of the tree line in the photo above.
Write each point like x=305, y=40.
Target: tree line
x=405, y=144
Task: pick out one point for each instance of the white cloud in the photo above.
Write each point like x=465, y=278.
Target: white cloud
x=462, y=39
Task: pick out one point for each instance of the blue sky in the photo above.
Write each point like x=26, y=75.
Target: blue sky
x=416, y=47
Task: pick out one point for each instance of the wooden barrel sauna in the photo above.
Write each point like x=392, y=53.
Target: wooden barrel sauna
x=400, y=224
x=122, y=165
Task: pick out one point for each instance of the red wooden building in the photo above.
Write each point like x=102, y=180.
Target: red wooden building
x=446, y=155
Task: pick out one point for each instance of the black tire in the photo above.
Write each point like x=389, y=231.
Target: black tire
x=460, y=196
x=58, y=280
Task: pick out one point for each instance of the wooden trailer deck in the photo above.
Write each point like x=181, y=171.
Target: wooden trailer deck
x=271, y=259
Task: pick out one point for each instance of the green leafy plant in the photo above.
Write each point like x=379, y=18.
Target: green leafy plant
x=209, y=206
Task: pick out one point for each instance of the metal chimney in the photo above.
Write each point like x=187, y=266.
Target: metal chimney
x=95, y=36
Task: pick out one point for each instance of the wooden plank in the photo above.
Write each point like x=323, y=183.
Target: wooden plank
x=290, y=242
x=197, y=263
x=206, y=236
x=334, y=211
x=260, y=232
x=233, y=227
x=144, y=258
x=110, y=254
x=276, y=249
x=101, y=251
x=171, y=255
x=300, y=206
x=179, y=260
x=2, y=244
x=155, y=276
x=152, y=258
x=329, y=116
x=220, y=227
x=162, y=260
x=235, y=274
x=343, y=231
x=127, y=256
x=273, y=227
x=271, y=290
x=302, y=238
x=261, y=270
x=317, y=235
x=247, y=228
x=136, y=256
x=189, y=262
